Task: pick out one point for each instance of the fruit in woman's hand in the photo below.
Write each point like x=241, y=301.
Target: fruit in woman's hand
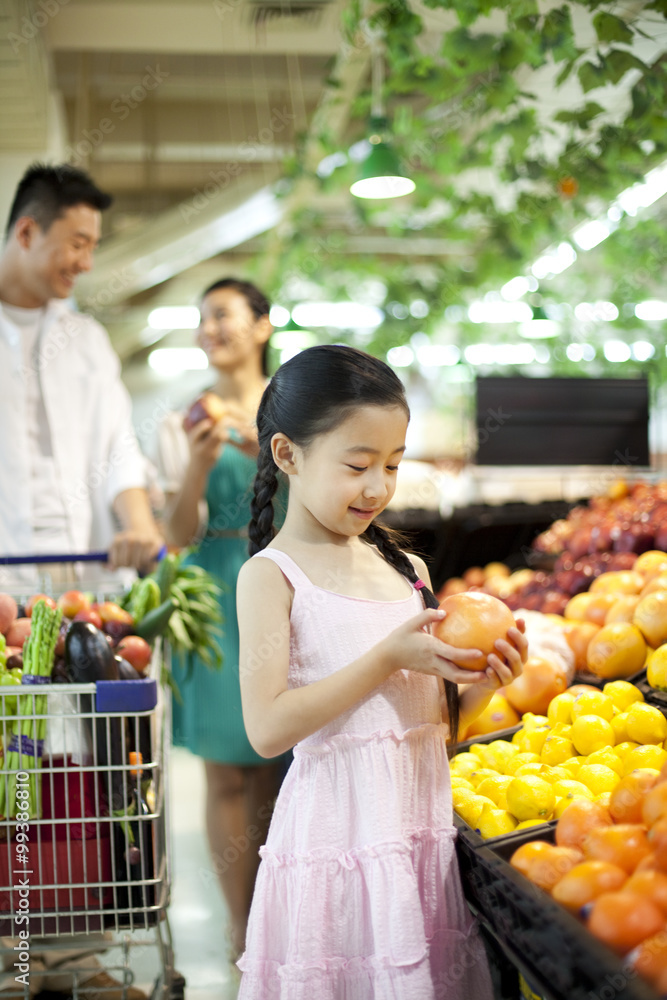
x=32, y=601
x=473, y=620
x=8, y=611
x=72, y=602
x=208, y=406
x=18, y=632
x=136, y=651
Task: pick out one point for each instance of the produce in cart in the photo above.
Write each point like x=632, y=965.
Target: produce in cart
x=24, y=751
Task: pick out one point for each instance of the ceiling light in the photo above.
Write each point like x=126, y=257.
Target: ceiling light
x=341, y=315
x=401, y=356
x=499, y=312
x=645, y=192
x=589, y=234
x=516, y=288
x=617, y=350
x=642, y=350
x=651, y=309
x=437, y=355
x=284, y=340
x=381, y=174
x=499, y=354
x=174, y=318
x=279, y=316
x=174, y=360
x=554, y=261
x=592, y=312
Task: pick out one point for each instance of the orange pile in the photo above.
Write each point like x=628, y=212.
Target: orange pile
x=609, y=867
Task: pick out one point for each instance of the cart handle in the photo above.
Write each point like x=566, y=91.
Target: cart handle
x=68, y=557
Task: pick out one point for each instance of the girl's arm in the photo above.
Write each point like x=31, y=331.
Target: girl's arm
x=276, y=717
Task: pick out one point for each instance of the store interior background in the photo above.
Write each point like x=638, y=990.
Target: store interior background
x=228, y=132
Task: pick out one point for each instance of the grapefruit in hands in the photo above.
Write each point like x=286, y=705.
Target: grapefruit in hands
x=474, y=620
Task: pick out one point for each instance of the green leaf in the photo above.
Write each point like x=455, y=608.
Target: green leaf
x=610, y=28
x=581, y=117
x=619, y=62
x=591, y=75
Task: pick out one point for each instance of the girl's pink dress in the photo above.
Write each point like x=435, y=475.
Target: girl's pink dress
x=358, y=894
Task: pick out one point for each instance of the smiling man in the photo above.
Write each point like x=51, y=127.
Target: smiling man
x=73, y=477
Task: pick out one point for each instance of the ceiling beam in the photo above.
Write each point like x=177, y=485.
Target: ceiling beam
x=189, y=26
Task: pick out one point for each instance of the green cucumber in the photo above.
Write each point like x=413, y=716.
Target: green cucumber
x=155, y=622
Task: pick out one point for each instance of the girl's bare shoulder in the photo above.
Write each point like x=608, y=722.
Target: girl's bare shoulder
x=262, y=576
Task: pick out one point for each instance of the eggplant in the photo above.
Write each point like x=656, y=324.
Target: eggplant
x=126, y=671
x=90, y=658
x=15, y=661
x=88, y=654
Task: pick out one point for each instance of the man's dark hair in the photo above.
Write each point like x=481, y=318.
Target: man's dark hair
x=45, y=193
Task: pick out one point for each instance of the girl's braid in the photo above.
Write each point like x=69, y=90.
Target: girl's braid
x=260, y=528
x=388, y=548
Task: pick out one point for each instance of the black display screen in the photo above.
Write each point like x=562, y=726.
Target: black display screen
x=562, y=421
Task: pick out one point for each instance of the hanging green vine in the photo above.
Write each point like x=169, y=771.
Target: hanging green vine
x=461, y=112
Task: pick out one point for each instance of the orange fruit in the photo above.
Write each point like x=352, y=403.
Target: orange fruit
x=586, y=881
x=498, y=714
x=618, y=650
x=577, y=689
x=650, y=958
x=577, y=821
x=618, y=582
x=550, y=867
x=657, y=837
x=525, y=855
x=622, y=920
x=575, y=609
x=578, y=635
x=627, y=799
x=623, y=609
x=474, y=620
x=651, y=563
x=540, y=681
x=652, y=884
x=655, y=804
x=654, y=584
x=623, y=844
x=651, y=618
x=656, y=668
x=598, y=606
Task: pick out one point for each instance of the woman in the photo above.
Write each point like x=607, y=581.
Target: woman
x=208, y=476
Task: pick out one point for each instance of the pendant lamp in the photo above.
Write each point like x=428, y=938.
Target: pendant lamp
x=381, y=174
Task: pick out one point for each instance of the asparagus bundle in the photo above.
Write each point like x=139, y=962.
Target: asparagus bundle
x=28, y=733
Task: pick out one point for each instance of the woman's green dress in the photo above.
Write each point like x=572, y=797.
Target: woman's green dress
x=210, y=720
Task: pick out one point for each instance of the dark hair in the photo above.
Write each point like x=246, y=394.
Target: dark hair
x=312, y=394
x=257, y=301
x=45, y=193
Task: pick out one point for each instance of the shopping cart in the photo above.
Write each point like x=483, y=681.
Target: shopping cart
x=97, y=856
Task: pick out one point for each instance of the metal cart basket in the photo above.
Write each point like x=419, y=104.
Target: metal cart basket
x=84, y=842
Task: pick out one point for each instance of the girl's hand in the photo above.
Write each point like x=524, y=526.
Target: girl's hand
x=412, y=647
x=240, y=429
x=205, y=441
x=502, y=669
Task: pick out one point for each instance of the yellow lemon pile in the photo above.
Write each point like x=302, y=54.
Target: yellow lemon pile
x=581, y=749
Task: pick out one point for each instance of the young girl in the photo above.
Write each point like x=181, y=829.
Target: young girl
x=358, y=894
